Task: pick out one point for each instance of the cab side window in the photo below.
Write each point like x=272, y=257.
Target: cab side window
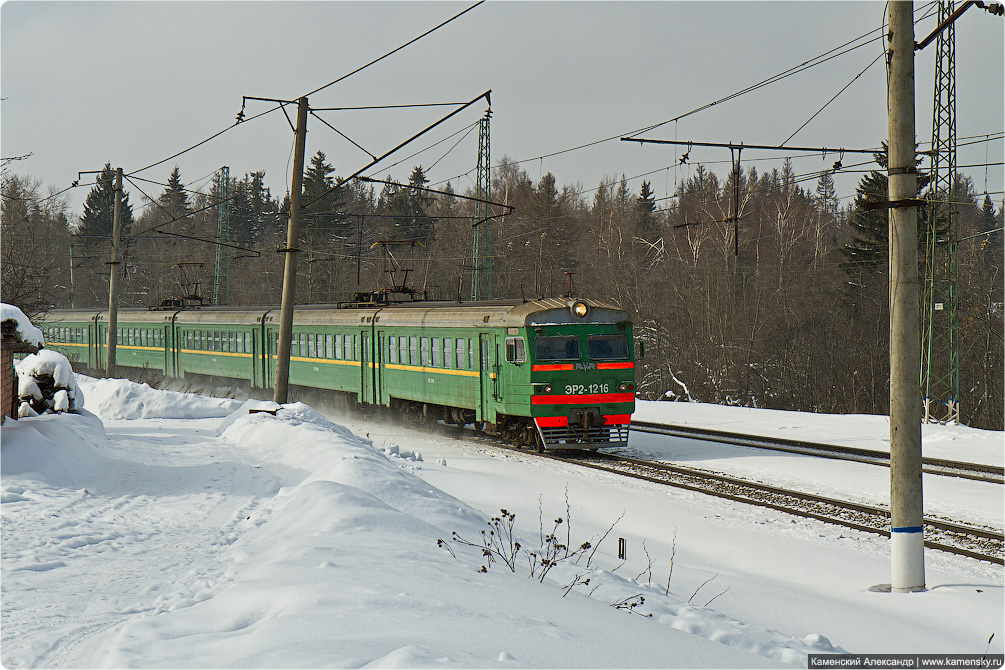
x=516, y=350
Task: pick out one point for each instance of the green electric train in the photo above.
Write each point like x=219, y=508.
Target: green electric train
x=552, y=373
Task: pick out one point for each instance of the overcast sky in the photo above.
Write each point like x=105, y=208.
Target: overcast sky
x=133, y=82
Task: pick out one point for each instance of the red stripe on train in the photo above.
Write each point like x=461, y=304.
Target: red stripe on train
x=551, y=367
x=552, y=421
x=583, y=399
x=624, y=365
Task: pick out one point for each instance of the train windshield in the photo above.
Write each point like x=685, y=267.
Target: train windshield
x=609, y=347
x=557, y=348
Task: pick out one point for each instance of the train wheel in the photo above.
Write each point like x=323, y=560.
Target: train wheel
x=538, y=443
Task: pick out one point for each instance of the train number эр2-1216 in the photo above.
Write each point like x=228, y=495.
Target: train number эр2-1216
x=579, y=389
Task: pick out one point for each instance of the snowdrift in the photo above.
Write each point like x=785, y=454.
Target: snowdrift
x=288, y=541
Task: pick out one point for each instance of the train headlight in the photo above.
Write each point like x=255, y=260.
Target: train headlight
x=626, y=386
x=579, y=309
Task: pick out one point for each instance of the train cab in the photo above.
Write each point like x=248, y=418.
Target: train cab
x=583, y=378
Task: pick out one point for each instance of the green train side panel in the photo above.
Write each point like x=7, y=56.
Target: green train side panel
x=430, y=378
x=311, y=365
x=205, y=361
x=136, y=347
x=72, y=334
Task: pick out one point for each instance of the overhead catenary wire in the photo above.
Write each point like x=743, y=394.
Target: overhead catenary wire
x=199, y=144
x=394, y=51
x=843, y=89
x=822, y=58
x=363, y=169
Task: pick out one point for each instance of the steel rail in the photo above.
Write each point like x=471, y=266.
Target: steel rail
x=937, y=466
x=863, y=514
x=761, y=495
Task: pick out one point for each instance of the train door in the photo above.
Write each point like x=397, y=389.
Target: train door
x=380, y=346
x=488, y=373
x=497, y=369
x=269, y=357
x=256, y=368
x=170, y=355
x=100, y=345
x=92, y=344
x=366, y=368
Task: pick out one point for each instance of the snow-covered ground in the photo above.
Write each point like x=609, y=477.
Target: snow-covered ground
x=167, y=530
x=864, y=431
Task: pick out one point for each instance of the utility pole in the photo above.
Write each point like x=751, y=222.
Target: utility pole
x=73, y=298
x=113, y=277
x=291, y=250
x=906, y=510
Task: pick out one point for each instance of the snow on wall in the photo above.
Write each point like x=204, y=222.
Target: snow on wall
x=27, y=332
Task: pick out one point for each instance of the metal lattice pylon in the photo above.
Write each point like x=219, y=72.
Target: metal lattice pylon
x=940, y=338
x=222, y=275
x=481, y=273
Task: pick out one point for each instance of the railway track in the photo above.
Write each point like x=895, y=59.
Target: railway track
x=984, y=544
x=936, y=466
x=981, y=543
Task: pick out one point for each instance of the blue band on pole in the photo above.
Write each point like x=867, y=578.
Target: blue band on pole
x=909, y=529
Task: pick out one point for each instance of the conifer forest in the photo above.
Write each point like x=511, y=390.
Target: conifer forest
x=785, y=308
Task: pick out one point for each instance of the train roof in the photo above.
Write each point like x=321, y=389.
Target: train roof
x=500, y=313
x=490, y=313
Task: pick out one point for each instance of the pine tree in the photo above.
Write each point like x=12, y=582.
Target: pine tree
x=410, y=205
x=323, y=207
x=317, y=183
x=645, y=226
x=622, y=196
x=870, y=246
x=990, y=225
x=99, y=209
x=826, y=193
x=175, y=199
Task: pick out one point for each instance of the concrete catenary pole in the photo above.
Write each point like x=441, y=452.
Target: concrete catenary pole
x=73, y=288
x=113, y=277
x=907, y=536
x=290, y=275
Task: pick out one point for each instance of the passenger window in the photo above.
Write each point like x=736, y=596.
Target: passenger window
x=471, y=356
x=557, y=348
x=392, y=349
x=338, y=347
x=424, y=349
x=310, y=346
x=437, y=361
x=413, y=350
x=516, y=350
x=329, y=352
x=448, y=352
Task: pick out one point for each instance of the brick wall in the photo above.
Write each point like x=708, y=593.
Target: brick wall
x=8, y=382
